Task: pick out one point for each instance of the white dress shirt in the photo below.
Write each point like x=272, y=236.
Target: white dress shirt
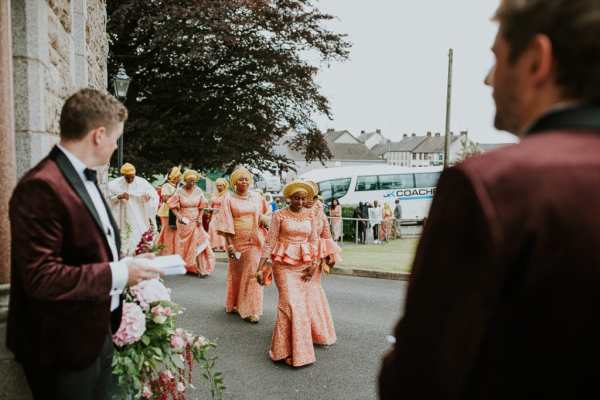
x=118, y=269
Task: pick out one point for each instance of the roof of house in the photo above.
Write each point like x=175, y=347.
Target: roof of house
x=434, y=144
x=367, y=135
x=335, y=135
x=491, y=146
x=341, y=151
x=408, y=144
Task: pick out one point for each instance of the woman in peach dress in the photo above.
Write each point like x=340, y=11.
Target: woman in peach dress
x=335, y=212
x=191, y=243
x=303, y=315
x=217, y=242
x=167, y=235
x=242, y=220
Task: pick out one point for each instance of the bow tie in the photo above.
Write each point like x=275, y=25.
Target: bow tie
x=90, y=175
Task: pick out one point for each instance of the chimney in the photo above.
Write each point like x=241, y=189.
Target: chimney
x=437, y=134
x=405, y=135
x=464, y=133
x=414, y=134
x=378, y=131
x=362, y=132
x=428, y=133
x=329, y=130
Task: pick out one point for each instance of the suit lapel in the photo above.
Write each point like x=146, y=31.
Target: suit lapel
x=114, y=225
x=77, y=184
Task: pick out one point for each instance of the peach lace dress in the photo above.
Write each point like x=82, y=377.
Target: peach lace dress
x=239, y=217
x=303, y=315
x=167, y=235
x=192, y=240
x=217, y=242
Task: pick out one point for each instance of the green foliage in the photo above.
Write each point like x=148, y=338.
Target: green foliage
x=216, y=83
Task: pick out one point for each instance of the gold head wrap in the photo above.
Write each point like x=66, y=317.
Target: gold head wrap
x=296, y=187
x=191, y=172
x=315, y=188
x=223, y=181
x=175, y=173
x=238, y=173
x=127, y=169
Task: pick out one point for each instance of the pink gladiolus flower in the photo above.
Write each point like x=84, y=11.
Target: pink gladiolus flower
x=177, y=343
x=133, y=325
x=150, y=291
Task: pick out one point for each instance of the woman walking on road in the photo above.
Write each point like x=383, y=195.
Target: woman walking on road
x=243, y=220
x=168, y=234
x=191, y=243
x=335, y=212
x=303, y=316
x=217, y=242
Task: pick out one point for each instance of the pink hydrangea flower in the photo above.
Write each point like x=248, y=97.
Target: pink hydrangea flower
x=177, y=343
x=146, y=392
x=160, y=314
x=133, y=325
x=150, y=291
x=200, y=342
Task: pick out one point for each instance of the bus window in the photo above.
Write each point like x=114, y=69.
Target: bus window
x=427, y=180
x=364, y=183
x=404, y=181
x=334, y=189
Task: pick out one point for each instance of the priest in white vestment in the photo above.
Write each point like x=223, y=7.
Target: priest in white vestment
x=134, y=203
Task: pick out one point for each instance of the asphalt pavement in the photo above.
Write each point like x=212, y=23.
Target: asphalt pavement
x=364, y=312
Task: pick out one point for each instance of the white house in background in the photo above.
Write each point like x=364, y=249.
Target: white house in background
x=372, y=139
x=345, y=148
x=420, y=151
x=399, y=153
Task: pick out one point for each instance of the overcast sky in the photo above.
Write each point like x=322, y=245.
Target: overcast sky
x=395, y=79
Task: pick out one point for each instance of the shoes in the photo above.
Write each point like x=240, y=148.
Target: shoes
x=252, y=319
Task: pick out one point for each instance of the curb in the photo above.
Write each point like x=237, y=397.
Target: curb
x=364, y=273
x=361, y=273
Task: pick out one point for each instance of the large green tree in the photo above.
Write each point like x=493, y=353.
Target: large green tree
x=220, y=82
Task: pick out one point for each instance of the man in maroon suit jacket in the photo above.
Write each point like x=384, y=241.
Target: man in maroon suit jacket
x=66, y=273
x=504, y=299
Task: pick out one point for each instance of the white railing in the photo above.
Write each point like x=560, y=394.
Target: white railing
x=399, y=229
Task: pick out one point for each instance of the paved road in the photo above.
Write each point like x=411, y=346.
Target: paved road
x=364, y=312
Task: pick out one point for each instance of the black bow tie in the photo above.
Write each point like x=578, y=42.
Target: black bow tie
x=91, y=175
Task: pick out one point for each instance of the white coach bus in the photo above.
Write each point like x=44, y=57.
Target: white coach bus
x=414, y=187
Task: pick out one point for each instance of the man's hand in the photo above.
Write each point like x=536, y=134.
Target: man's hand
x=145, y=197
x=141, y=269
x=123, y=196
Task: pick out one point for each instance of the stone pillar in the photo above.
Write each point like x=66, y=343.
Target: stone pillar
x=7, y=138
x=12, y=381
x=32, y=74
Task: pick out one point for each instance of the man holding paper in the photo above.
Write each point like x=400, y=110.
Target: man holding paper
x=66, y=277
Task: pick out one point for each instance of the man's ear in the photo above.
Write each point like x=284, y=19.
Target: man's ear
x=541, y=60
x=98, y=135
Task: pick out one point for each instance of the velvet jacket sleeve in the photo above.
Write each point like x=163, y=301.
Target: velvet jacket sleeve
x=451, y=293
x=38, y=224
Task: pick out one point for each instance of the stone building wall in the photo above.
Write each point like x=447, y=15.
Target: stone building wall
x=59, y=46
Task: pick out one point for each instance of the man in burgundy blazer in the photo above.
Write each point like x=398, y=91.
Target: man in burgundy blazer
x=66, y=275
x=504, y=299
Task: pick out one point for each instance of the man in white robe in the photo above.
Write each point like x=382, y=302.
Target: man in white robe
x=134, y=203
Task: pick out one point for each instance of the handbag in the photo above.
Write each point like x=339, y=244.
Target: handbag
x=172, y=219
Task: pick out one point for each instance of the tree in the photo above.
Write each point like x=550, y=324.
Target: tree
x=467, y=149
x=216, y=83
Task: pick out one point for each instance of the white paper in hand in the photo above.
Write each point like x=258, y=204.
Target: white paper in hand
x=170, y=265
